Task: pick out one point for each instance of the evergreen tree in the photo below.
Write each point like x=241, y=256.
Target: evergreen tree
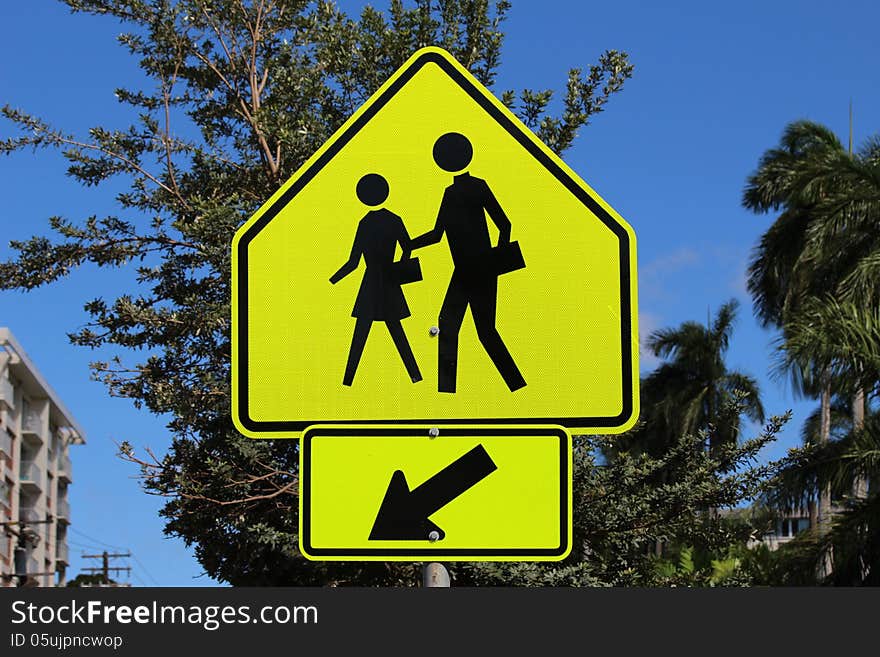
x=235, y=95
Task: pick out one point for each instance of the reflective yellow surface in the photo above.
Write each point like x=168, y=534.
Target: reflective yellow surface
x=560, y=317
x=521, y=511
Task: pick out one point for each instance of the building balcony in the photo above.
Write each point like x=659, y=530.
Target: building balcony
x=7, y=394
x=30, y=514
x=5, y=443
x=62, y=510
x=5, y=498
x=32, y=426
x=64, y=469
x=61, y=554
x=30, y=475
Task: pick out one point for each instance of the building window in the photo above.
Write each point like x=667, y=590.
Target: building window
x=791, y=527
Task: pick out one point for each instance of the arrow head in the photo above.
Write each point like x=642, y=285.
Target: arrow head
x=401, y=517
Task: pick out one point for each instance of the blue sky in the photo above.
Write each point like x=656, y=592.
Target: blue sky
x=714, y=86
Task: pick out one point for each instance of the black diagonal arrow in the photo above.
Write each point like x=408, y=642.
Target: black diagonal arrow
x=404, y=513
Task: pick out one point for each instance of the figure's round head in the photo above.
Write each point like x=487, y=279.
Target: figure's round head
x=453, y=152
x=372, y=189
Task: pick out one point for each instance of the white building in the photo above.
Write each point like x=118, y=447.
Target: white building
x=36, y=430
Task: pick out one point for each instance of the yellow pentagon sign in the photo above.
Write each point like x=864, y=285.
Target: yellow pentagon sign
x=397, y=493
x=434, y=262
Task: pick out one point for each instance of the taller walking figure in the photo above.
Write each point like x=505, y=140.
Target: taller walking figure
x=474, y=283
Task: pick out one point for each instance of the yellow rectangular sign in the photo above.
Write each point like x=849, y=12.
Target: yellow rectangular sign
x=395, y=493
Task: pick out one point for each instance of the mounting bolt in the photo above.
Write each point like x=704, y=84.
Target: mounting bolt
x=433, y=432
x=434, y=331
x=434, y=536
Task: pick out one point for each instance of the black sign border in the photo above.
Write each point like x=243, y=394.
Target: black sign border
x=280, y=426
x=462, y=554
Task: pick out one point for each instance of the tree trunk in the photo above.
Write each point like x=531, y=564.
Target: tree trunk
x=824, y=437
x=860, y=482
x=824, y=569
x=813, y=512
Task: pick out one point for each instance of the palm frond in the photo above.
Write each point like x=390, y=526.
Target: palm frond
x=722, y=327
x=838, y=337
x=862, y=280
x=751, y=395
x=771, y=267
x=688, y=393
x=771, y=186
x=841, y=423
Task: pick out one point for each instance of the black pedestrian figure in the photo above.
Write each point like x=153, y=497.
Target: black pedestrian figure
x=380, y=297
x=474, y=283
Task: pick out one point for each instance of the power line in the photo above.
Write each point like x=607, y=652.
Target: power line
x=83, y=546
x=114, y=547
x=95, y=540
x=117, y=547
x=138, y=578
x=144, y=568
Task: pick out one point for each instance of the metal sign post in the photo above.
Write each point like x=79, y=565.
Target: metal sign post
x=435, y=575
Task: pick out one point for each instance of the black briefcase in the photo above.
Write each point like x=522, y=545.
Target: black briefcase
x=407, y=271
x=506, y=257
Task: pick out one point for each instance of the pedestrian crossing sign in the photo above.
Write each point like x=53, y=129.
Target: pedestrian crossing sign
x=434, y=262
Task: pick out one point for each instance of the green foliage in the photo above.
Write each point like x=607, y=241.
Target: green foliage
x=693, y=570
x=814, y=275
x=688, y=391
x=840, y=338
x=853, y=538
x=823, y=250
x=89, y=579
x=624, y=508
x=779, y=277
x=235, y=96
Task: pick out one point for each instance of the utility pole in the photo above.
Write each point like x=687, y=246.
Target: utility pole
x=27, y=538
x=105, y=566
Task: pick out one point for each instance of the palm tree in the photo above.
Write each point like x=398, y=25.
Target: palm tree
x=789, y=267
x=778, y=280
x=796, y=492
x=689, y=391
x=692, y=391
x=844, y=189
x=825, y=239
x=847, y=551
x=843, y=339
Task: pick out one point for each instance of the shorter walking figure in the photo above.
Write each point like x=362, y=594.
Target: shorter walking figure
x=380, y=297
